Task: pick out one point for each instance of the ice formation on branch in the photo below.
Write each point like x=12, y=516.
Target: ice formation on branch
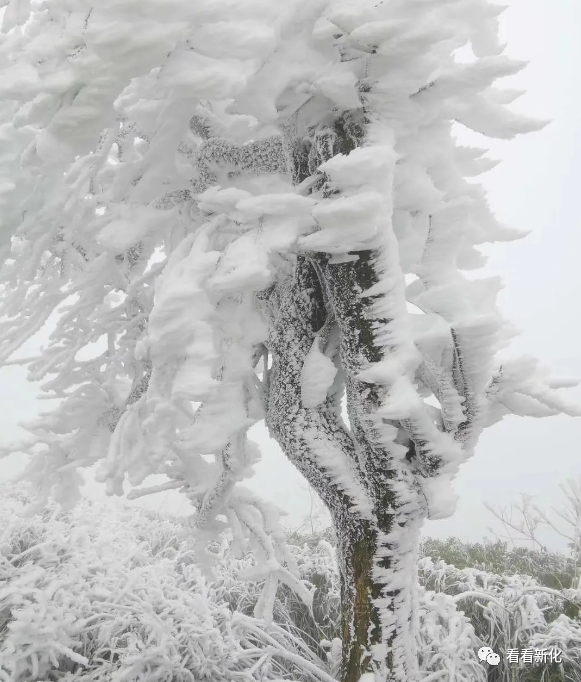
x=224, y=202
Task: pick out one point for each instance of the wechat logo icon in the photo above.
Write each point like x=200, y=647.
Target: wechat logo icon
x=485, y=654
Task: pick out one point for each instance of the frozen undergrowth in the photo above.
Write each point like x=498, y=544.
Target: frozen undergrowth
x=509, y=612
x=111, y=593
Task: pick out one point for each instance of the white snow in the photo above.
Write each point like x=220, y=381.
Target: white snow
x=276, y=204
x=367, y=677
x=19, y=82
x=363, y=166
x=205, y=77
x=218, y=200
x=440, y=497
x=244, y=265
x=123, y=233
x=318, y=375
x=339, y=85
x=346, y=224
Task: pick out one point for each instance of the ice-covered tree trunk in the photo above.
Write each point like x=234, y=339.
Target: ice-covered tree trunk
x=372, y=494
x=378, y=620
x=378, y=559
x=377, y=519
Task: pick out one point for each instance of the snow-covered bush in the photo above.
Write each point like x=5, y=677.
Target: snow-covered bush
x=109, y=594
x=512, y=611
x=472, y=594
x=318, y=624
x=550, y=569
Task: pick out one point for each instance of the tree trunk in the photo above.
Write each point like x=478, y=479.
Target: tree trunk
x=379, y=562
x=378, y=612
x=368, y=483
x=376, y=508
x=359, y=616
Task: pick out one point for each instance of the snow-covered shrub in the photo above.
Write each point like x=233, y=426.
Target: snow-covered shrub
x=551, y=569
x=109, y=594
x=472, y=594
x=512, y=612
x=563, y=633
x=447, y=641
x=316, y=562
x=316, y=625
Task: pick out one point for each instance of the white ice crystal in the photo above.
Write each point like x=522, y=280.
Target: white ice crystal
x=318, y=375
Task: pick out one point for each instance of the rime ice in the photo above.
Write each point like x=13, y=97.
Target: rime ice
x=226, y=204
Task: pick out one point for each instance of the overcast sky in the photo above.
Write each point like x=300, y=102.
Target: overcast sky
x=537, y=187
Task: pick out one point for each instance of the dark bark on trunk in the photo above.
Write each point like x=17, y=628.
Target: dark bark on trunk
x=360, y=346
x=377, y=619
x=377, y=623
x=298, y=311
x=358, y=613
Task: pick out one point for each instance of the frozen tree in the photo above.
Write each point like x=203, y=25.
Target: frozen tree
x=523, y=521
x=246, y=210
